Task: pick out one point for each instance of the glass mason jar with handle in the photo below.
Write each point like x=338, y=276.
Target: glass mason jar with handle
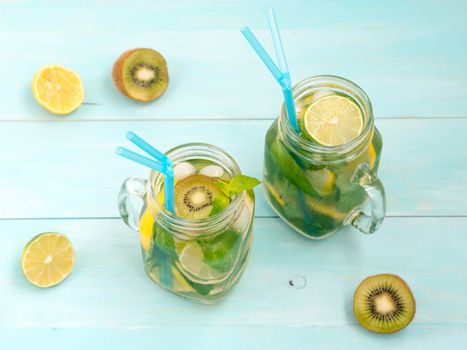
x=200, y=259
x=318, y=189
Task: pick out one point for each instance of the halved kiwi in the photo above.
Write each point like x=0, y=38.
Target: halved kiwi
x=384, y=303
x=141, y=74
x=196, y=195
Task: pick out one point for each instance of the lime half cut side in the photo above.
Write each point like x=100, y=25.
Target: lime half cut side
x=47, y=259
x=333, y=120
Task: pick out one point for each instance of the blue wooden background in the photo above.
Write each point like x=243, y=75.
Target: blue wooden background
x=61, y=173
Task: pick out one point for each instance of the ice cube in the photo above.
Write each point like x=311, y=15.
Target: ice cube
x=212, y=171
x=183, y=170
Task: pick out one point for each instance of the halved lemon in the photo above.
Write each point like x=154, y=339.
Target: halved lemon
x=58, y=89
x=333, y=120
x=47, y=259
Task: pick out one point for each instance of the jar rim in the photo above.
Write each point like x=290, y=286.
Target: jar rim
x=193, y=227
x=332, y=82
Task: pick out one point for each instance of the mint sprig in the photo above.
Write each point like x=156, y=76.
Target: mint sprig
x=238, y=184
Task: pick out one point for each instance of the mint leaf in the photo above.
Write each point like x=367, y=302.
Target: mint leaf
x=219, y=204
x=164, y=241
x=220, y=251
x=225, y=187
x=242, y=183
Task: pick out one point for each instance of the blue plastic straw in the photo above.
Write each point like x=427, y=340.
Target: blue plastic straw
x=282, y=60
x=169, y=189
x=281, y=75
x=278, y=47
x=163, y=168
x=135, y=157
x=138, y=141
x=263, y=55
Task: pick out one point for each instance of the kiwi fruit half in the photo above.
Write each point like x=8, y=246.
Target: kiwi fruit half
x=384, y=303
x=141, y=74
x=196, y=195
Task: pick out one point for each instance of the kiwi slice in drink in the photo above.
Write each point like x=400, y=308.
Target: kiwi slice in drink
x=384, y=303
x=141, y=74
x=196, y=195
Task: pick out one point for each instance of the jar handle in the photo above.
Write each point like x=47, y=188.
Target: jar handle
x=130, y=201
x=371, y=184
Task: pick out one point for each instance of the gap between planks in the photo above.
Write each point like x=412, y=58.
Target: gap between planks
x=220, y=119
x=256, y=217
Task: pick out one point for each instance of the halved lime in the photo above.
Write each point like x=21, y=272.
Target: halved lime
x=333, y=120
x=47, y=259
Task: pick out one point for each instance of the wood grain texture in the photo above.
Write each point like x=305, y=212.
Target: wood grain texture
x=407, y=66
x=61, y=174
x=236, y=337
x=71, y=170
x=108, y=289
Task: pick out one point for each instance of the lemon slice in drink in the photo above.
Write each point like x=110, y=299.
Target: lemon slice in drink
x=372, y=155
x=58, y=89
x=47, y=259
x=333, y=120
x=146, y=230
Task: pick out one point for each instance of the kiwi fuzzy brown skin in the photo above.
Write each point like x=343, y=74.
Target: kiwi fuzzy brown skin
x=117, y=72
x=117, y=76
x=409, y=294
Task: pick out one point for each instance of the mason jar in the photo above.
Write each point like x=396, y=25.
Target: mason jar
x=319, y=189
x=199, y=259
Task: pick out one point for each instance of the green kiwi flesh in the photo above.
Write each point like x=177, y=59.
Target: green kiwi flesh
x=141, y=74
x=196, y=195
x=384, y=303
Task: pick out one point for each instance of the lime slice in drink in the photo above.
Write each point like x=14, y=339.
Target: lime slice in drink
x=333, y=120
x=179, y=283
x=193, y=265
x=47, y=259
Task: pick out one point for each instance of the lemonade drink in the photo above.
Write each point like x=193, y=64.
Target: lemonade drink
x=199, y=251
x=325, y=178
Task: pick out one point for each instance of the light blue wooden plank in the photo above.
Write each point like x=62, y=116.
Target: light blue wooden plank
x=408, y=56
x=408, y=68
x=70, y=169
x=108, y=288
x=110, y=15
x=237, y=337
